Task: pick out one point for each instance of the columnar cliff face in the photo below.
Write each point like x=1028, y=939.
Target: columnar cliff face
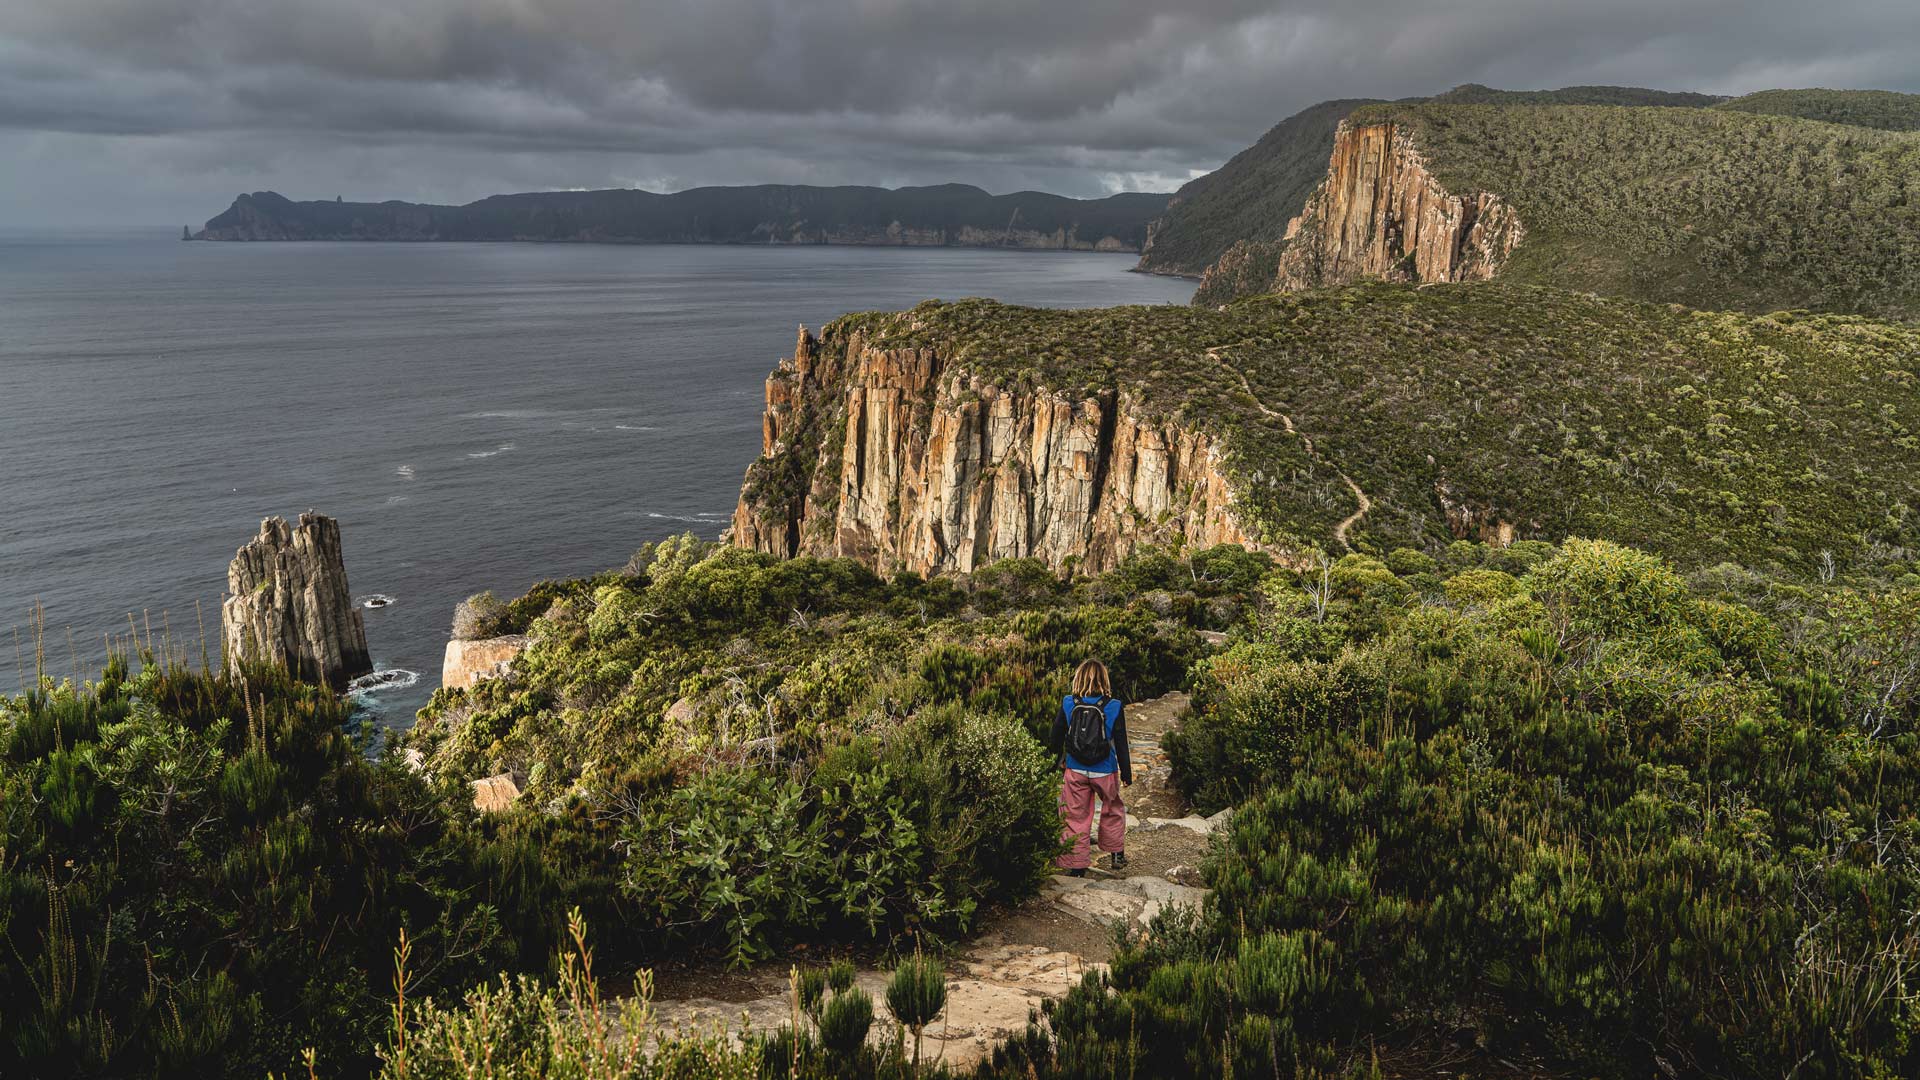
x=288, y=603
x=906, y=461
x=1379, y=214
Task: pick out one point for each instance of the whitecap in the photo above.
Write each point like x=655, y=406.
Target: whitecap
x=501, y=449
x=381, y=681
x=635, y=427
x=702, y=518
x=404, y=472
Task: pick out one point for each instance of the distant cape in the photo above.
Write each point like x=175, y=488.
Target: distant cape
x=954, y=215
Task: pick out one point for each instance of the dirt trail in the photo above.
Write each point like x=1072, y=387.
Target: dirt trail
x=1339, y=531
x=1018, y=958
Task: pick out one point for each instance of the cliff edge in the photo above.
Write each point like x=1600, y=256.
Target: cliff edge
x=903, y=458
x=1714, y=209
x=1359, y=419
x=1380, y=214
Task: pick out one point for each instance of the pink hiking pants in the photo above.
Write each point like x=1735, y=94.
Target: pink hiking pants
x=1077, y=793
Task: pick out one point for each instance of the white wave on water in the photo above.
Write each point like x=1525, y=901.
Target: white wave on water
x=702, y=518
x=377, y=600
x=502, y=448
x=404, y=472
x=511, y=414
x=383, y=680
x=395, y=500
x=635, y=427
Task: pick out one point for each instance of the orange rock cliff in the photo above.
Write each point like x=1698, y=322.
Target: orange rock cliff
x=906, y=461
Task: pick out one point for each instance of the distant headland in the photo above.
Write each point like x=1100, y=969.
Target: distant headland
x=946, y=215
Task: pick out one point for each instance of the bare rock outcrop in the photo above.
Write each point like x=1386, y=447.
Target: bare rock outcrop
x=1472, y=519
x=908, y=462
x=469, y=661
x=1380, y=214
x=288, y=603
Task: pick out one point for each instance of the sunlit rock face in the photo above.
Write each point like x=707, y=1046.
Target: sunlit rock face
x=288, y=603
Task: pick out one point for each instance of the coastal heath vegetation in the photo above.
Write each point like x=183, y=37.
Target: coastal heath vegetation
x=1782, y=199
x=1781, y=442
x=1250, y=199
x=1563, y=804
x=205, y=873
x=729, y=753
x=200, y=872
x=1713, y=208
x=1569, y=808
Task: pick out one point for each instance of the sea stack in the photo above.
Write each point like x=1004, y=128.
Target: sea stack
x=288, y=603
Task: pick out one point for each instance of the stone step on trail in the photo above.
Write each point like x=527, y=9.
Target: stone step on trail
x=1162, y=833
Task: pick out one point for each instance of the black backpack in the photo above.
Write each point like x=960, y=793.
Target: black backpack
x=1087, y=740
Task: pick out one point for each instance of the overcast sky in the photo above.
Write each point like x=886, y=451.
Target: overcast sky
x=160, y=111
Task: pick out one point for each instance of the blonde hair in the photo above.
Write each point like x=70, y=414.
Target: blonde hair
x=1090, y=679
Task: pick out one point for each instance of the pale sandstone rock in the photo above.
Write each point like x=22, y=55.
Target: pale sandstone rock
x=288, y=603
x=1381, y=214
x=944, y=472
x=1191, y=823
x=1102, y=907
x=681, y=712
x=1183, y=874
x=468, y=662
x=496, y=793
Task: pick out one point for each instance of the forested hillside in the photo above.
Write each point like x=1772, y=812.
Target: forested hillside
x=1254, y=195
x=956, y=214
x=1251, y=197
x=1705, y=207
x=1881, y=109
x=1692, y=206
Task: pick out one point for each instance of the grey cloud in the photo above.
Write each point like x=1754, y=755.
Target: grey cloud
x=435, y=98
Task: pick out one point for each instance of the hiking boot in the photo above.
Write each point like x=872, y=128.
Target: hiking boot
x=1117, y=861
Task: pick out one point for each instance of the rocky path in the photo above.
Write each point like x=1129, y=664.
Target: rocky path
x=1346, y=525
x=1021, y=957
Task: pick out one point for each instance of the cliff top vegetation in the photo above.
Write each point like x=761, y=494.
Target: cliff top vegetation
x=1763, y=440
x=1883, y=109
x=1255, y=194
x=1705, y=207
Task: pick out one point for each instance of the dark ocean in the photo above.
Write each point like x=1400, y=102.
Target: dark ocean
x=478, y=416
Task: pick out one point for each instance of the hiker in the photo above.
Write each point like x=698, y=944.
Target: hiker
x=1091, y=732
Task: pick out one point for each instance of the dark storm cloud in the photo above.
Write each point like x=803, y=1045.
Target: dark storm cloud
x=450, y=99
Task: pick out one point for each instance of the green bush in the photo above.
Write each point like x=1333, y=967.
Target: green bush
x=844, y=1022
x=200, y=874
x=916, y=993
x=1603, y=823
x=848, y=758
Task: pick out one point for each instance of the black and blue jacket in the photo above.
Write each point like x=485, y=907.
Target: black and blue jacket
x=1118, y=760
